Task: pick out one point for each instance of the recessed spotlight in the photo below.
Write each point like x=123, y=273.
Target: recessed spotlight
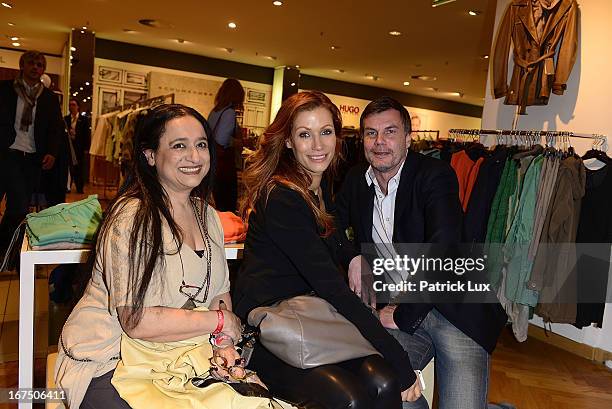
x=395, y=33
x=293, y=84
x=16, y=44
x=431, y=89
x=80, y=88
x=228, y=49
x=86, y=82
x=277, y=3
x=232, y=25
x=180, y=41
x=82, y=31
x=424, y=77
x=340, y=71
x=270, y=57
x=129, y=31
x=85, y=100
x=372, y=77
x=474, y=12
x=11, y=24
x=297, y=66
x=486, y=57
x=75, y=94
x=14, y=38
x=72, y=48
x=406, y=83
x=84, y=27
x=7, y=5
x=334, y=47
x=454, y=94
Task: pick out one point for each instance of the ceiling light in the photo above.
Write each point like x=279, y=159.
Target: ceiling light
x=72, y=48
x=293, y=84
x=372, y=77
x=431, y=89
x=277, y=3
x=85, y=100
x=406, y=83
x=129, y=31
x=436, y=3
x=75, y=94
x=424, y=77
x=180, y=41
x=334, y=47
x=231, y=25
x=339, y=71
x=84, y=27
x=228, y=49
x=7, y=5
x=297, y=66
x=80, y=88
x=395, y=33
x=11, y=24
x=269, y=57
x=486, y=57
x=16, y=44
x=86, y=82
x=14, y=38
x=455, y=94
x=474, y=12
x=82, y=31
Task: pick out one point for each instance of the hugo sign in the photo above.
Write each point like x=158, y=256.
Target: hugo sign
x=349, y=109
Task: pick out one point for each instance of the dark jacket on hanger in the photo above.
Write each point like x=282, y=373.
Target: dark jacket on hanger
x=48, y=124
x=544, y=35
x=427, y=210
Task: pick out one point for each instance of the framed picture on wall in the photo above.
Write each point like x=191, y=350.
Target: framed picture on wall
x=131, y=97
x=135, y=79
x=108, y=98
x=108, y=74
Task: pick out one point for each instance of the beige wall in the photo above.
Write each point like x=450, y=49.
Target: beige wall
x=430, y=120
x=10, y=59
x=586, y=107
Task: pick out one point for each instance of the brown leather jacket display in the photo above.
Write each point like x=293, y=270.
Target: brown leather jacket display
x=544, y=35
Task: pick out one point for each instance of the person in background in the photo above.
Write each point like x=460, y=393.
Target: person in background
x=293, y=248
x=80, y=134
x=158, y=256
x=226, y=132
x=31, y=129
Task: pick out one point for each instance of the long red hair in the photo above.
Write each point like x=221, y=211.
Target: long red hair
x=274, y=163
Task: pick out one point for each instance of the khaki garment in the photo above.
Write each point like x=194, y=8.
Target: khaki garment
x=92, y=331
x=156, y=375
x=544, y=36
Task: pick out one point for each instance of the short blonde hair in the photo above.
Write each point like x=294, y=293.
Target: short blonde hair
x=32, y=55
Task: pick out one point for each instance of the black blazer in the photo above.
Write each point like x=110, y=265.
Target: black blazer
x=48, y=126
x=82, y=139
x=284, y=256
x=427, y=210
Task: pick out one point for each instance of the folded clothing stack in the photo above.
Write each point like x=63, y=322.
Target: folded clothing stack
x=65, y=226
x=234, y=229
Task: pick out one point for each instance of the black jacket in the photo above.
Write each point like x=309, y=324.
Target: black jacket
x=82, y=139
x=48, y=126
x=427, y=210
x=284, y=256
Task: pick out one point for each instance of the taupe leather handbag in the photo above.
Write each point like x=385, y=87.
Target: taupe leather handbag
x=306, y=331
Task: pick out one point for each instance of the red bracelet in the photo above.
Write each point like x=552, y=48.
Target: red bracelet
x=220, y=322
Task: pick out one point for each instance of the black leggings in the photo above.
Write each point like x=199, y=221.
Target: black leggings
x=363, y=383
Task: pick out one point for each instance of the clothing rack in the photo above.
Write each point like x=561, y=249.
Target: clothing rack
x=427, y=131
x=148, y=103
x=158, y=100
x=506, y=132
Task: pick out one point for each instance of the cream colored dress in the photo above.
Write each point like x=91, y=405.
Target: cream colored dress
x=92, y=333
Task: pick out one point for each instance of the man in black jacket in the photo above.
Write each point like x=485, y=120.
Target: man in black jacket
x=80, y=134
x=30, y=130
x=405, y=197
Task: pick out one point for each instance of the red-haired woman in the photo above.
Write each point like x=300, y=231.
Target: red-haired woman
x=292, y=248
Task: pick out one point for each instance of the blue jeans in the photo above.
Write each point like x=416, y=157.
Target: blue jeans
x=461, y=365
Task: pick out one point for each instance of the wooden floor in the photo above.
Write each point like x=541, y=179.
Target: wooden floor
x=535, y=375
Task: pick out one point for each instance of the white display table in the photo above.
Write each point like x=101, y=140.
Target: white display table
x=29, y=259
